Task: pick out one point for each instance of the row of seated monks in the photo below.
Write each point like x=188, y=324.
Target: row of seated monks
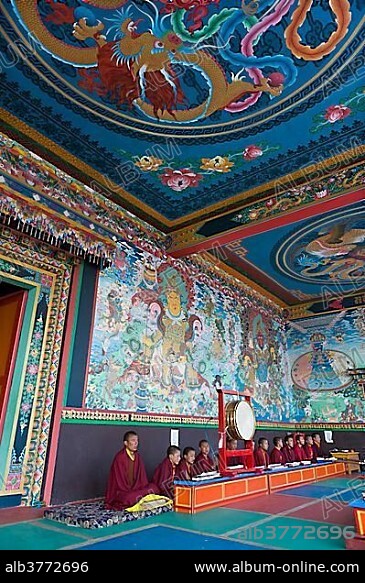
x=293, y=448
x=128, y=482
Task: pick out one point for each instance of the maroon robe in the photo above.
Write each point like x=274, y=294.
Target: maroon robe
x=261, y=457
x=185, y=471
x=164, y=476
x=235, y=461
x=288, y=454
x=317, y=451
x=277, y=456
x=308, y=452
x=127, y=482
x=204, y=463
x=299, y=454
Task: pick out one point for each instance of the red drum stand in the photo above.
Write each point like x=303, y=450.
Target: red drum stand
x=244, y=455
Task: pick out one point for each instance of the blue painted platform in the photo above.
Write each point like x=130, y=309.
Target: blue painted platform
x=162, y=537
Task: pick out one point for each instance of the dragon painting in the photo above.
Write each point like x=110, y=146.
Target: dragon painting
x=139, y=60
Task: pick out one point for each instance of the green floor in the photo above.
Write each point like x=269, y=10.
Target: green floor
x=285, y=528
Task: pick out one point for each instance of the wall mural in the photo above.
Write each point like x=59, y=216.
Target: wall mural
x=162, y=336
x=321, y=349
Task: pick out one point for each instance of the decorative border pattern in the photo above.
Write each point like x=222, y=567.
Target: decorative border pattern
x=94, y=417
x=56, y=268
x=297, y=197
x=335, y=303
x=175, y=419
x=42, y=226
x=286, y=198
x=87, y=221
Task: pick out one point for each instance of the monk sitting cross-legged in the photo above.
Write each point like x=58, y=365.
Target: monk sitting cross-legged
x=164, y=474
x=127, y=483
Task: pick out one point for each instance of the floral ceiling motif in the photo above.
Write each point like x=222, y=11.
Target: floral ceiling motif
x=195, y=115
x=172, y=107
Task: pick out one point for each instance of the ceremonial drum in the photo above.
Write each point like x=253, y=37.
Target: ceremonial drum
x=240, y=420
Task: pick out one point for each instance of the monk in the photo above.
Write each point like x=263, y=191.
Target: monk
x=261, y=455
x=308, y=448
x=299, y=453
x=276, y=455
x=203, y=461
x=317, y=448
x=288, y=449
x=164, y=474
x=232, y=445
x=127, y=482
x=186, y=470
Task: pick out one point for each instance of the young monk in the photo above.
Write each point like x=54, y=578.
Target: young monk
x=276, y=455
x=203, y=461
x=299, y=452
x=165, y=472
x=261, y=455
x=127, y=482
x=232, y=445
x=186, y=470
x=308, y=448
x=288, y=449
x=317, y=448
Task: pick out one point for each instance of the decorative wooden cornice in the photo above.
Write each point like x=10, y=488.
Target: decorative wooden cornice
x=279, y=206
x=49, y=150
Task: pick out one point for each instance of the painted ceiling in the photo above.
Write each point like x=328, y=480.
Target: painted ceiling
x=201, y=117
x=321, y=258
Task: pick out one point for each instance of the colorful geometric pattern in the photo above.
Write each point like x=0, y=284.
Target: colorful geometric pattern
x=40, y=264
x=71, y=214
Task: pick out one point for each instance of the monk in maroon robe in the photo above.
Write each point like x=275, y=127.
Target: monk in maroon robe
x=186, y=469
x=164, y=474
x=308, y=448
x=276, y=455
x=127, y=482
x=317, y=448
x=203, y=461
x=288, y=449
x=261, y=455
x=299, y=453
x=232, y=445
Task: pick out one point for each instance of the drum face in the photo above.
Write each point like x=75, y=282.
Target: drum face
x=240, y=420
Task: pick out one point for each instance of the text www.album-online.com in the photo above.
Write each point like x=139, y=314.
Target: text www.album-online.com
x=301, y=567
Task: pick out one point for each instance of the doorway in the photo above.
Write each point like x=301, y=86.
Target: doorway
x=12, y=307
